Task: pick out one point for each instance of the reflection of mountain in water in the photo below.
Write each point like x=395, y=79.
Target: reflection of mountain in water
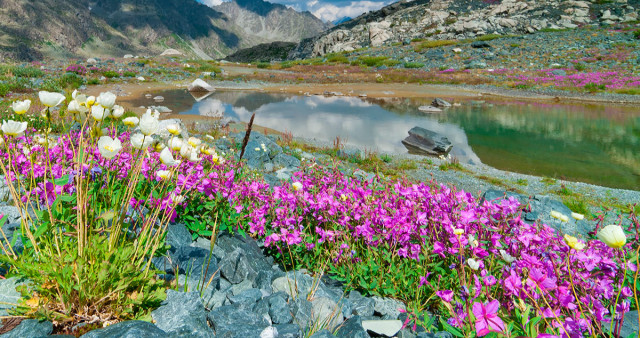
x=250, y=101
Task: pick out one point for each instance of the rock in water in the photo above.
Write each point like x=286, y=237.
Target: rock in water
x=426, y=142
x=438, y=102
x=200, y=85
x=429, y=109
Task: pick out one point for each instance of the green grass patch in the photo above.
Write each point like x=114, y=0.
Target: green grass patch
x=433, y=44
x=413, y=65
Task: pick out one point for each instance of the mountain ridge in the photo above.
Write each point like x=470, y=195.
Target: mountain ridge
x=33, y=30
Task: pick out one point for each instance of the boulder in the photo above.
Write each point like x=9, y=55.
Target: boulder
x=30, y=328
x=200, y=85
x=128, y=56
x=92, y=61
x=182, y=315
x=426, y=142
x=438, y=102
x=233, y=321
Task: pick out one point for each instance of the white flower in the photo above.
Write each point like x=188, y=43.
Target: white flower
x=211, y=138
x=458, y=231
x=167, y=158
x=73, y=107
x=50, y=99
x=473, y=242
x=189, y=153
x=149, y=124
x=257, y=149
x=164, y=174
x=140, y=141
x=174, y=129
x=13, y=128
x=175, y=143
x=90, y=101
x=506, y=256
x=106, y=100
x=613, y=236
x=99, y=113
x=109, y=147
x=577, y=216
x=559, y=216
x=158, y=146
x=474, y=264
x=297, y=186
x=155, y=113
x=117, y=111
x=21, y=107
x=177, y=199
x=131, y=121
x=194, y=141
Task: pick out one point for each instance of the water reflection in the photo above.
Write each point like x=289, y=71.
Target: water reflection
x=591, y=143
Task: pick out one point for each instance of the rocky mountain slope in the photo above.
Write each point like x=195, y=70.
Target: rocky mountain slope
x=32, y=30
x=267, y=22
x=461, y=19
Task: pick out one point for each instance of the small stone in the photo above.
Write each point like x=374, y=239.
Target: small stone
x=279, y=310
x=233, y=321
x=352, y=328
x=182, y=314
x=289, y=331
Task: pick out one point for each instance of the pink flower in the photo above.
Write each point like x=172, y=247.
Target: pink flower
x=445, y=295
x=487, y=319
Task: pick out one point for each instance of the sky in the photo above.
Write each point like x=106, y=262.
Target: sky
x=327, y=10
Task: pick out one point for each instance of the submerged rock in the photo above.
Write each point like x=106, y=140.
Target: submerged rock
x=429, y=109
x=426, y=142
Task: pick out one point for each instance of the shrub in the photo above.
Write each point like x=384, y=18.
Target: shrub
x=71, y=80
x=77, y=69
x=412, y=65
x=263, y=65
x=129, y=73
x=109, y=74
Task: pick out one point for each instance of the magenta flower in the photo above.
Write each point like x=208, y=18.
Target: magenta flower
x=445, y=295
x=487, y=319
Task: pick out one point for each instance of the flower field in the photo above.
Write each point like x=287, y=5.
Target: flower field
x=96, y=196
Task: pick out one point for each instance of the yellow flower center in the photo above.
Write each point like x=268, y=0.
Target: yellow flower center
x=109, y=148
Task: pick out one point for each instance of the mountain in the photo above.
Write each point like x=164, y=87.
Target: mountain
x=342, y=20
x=33, y=30
x=264, y=52
x=262, y=21
x=406, y=20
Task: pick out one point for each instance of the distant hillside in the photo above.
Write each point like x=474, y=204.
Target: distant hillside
x=461, y=19
x=266, y=52
x=32, y=30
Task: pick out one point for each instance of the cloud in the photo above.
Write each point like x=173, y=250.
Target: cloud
x=327, y=10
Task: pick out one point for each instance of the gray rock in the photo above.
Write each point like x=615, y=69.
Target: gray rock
x=182, y=315
x=223, y=144
x=12, y=213
x=30, y=328
x=233, y=321
x=322, y=334
x=538, y=209
x=477, y=64
x=8, y=293
x=438, y=102
x=293, y=284
x=559, y=72
x=426, y=142
x=363, y=307
x=178, y=235
x=480, y=44
x=352, y=328
x=350, y=153
x=388, y=308
x=289, y=331
x=243, y=286
x=128, y=329
x=286, y=161
x=326, y=311
x=279, y=310
x=247, y=297
x=195, y=262
x=235, y=267
x=384, y=328
x=263, y=280
x=630, y=326
x=301, y=310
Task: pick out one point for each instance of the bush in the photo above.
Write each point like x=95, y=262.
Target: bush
x=109, y=74
x=129, y=73
x=263, y=65
x=433, y=44
x=77, y=69
x=71, y=80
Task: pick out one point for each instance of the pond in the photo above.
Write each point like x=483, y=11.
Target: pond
x=593, y=143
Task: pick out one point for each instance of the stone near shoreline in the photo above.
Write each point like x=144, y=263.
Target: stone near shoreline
x=200, y=85
x=426, y=142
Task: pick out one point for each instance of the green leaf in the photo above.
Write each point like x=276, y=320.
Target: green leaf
x=450, y=328
x=62, y=180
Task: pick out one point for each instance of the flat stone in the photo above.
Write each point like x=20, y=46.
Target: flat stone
x=386, y=328
x=182, y=315
x=424, y=141
x=128, y=329
x=247, y=297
